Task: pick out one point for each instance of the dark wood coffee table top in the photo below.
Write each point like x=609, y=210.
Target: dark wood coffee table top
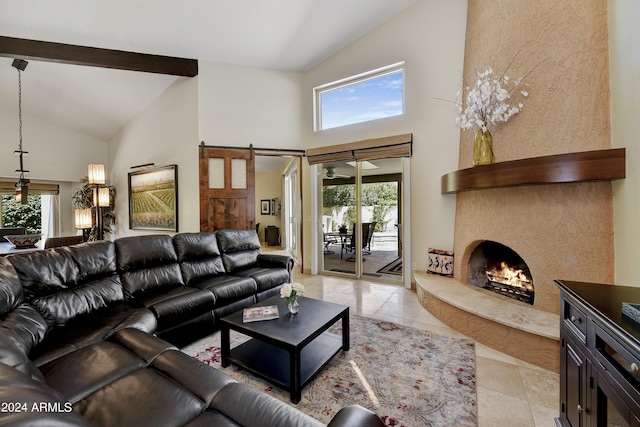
x=291, y=350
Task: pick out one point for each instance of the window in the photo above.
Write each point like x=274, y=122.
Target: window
x=369, y=96
x=18, y=215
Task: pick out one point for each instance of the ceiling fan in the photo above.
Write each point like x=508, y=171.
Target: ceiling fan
x=331, y=173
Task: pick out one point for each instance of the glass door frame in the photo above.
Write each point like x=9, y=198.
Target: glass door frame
x=317, y=224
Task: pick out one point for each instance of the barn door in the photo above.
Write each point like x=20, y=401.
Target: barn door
x=227, y=189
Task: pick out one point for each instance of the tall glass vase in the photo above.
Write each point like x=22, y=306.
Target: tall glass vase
x=293, y=306
x=483, y=148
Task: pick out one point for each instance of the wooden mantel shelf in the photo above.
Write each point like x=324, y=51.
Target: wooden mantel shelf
x=600, y=165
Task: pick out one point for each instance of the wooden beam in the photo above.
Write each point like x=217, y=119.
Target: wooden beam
x=96, y=57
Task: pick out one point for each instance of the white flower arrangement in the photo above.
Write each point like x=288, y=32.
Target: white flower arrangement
x=291, y=291
x=488, y=102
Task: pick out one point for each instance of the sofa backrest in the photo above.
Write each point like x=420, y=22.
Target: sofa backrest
x=64, y=283
x=147, y=263
x=239, y=248
x=21, y=326
x=198, y=255
x=11, y=293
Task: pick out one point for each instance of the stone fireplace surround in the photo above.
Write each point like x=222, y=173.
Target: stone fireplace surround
x=562, y=230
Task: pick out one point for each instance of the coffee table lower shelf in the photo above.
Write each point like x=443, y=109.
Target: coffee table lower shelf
x=274, y=364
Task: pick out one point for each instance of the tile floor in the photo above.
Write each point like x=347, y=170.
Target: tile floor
x=510, y=392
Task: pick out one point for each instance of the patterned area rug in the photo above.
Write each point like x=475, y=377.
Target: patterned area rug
x=407, y=376
x=394, y=267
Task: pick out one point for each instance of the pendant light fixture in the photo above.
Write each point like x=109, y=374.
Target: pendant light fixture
x=22, y=186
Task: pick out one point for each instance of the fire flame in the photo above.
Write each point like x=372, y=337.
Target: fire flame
x=509, y=276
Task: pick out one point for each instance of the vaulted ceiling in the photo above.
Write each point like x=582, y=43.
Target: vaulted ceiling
x=292, y=35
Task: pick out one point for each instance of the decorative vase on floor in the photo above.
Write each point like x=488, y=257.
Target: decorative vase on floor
x=293, y=307
x=483, y=148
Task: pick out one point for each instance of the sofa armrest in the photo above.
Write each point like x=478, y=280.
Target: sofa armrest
x=355, y=416
x=183, y=307
x=276, y=261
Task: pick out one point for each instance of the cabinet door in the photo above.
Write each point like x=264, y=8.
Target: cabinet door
x=573, y=384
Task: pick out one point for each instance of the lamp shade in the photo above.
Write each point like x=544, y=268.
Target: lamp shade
x=83, y=218
x=103, y=197
x=96, y=173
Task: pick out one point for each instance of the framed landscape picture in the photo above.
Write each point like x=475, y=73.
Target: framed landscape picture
x=153, y=199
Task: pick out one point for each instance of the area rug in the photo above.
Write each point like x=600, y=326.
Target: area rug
x=394, y=267
x=407, y=376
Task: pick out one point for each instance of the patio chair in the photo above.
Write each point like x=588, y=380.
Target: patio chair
x=367, y=233
x=329, y=240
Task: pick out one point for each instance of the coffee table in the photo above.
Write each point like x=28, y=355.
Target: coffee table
x=288, y=351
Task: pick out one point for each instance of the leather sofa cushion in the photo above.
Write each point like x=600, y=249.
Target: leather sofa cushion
x=84, y=371
x=92, y=328
x=61, y=307
x=94, y=259
x=45, y=272
x=199, y=255
x=20, y=331
x=237, y=261
x=237, y=240
x=250, y=407
x=240, y=249
x=11, y=293
x=137, y=252
x=18, y=387
x=266, y=278
x=181, y=386
x=178, y=305
x=24, y=327
x=228, y=288
x=147, y=262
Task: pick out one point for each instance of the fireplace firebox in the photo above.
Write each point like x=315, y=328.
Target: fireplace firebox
x=500, y=269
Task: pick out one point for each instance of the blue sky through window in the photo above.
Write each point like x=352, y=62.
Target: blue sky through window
x=371, y=99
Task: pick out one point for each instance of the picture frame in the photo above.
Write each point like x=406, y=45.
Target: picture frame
x=265, y=207
x=153, y=199
x=273, y=206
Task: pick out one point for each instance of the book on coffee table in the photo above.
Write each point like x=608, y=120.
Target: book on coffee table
x=254, y=314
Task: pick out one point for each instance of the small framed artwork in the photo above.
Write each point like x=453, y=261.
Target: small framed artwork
x=265, y=208
x=153, y=199
x=273, y=207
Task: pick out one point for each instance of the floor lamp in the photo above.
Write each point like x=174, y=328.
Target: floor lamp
x=101, y=199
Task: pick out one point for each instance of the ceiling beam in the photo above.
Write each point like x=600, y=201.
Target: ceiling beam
x=96, y=57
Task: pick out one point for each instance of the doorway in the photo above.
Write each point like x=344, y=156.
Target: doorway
x=361, y=211
x=278, y=186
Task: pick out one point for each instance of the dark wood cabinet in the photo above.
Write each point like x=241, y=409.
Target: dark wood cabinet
x=272, y=235
x=600, y=356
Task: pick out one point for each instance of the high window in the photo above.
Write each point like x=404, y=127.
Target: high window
x=369, y=96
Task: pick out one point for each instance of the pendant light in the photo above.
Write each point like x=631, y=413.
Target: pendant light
x=22, y=186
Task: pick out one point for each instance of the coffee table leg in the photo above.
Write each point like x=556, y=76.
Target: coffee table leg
x=294, y=376
x=345, y=331
x=225, y=344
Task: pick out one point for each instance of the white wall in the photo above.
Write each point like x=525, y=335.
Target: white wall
x=429, y=36
x=164, y=133
x=239, y=106
x=56, y=155
x=624, y=70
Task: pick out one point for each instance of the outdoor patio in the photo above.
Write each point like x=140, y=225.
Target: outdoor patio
x=384, y=251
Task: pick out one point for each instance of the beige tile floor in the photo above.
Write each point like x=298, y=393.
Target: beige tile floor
x=510, y=392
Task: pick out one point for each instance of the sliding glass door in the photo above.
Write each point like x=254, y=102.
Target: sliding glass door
x=361, y=217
